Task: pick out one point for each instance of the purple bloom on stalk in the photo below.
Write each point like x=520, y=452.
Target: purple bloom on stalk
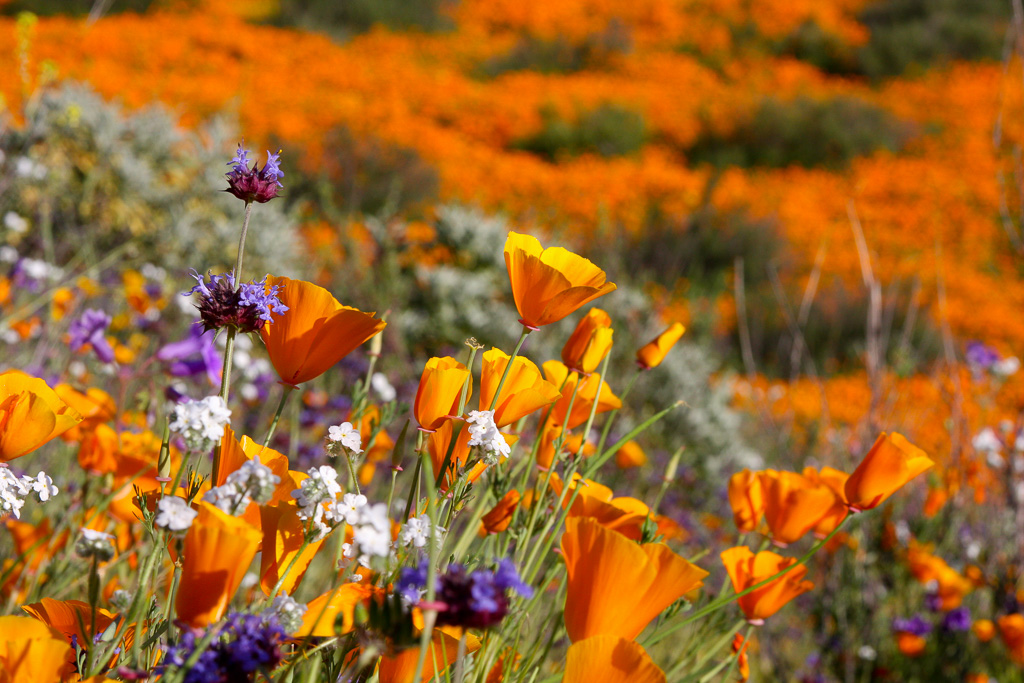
x=244, y=645
x=506, y=577
x=253, y=184
x=247, y=308
x=957, y=620
x=91, y=329
x=477, y=599
x=915, y=625
x=193, y=355
x=981, y=355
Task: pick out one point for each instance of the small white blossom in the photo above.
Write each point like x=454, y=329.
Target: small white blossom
x=201, y=423
x=321, y=486
x=347, y=509
x=94, y=544
x=867, y=653
x=12, y=493
x=383, y=387
x=346, y=435
x=42, y=486
x=288, y=611
x=371, y=534
x=8, y=254
x=484, y=433
x=39, y=270
x=174, y=514
x=15, y=223
x=416, y=532
x=987, y=441
x=1006, y=366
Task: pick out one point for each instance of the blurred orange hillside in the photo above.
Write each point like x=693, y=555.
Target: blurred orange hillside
x=684, y=69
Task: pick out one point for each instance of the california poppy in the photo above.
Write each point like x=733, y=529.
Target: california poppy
x=835, y=481
x=610, y=659
x=984, y=630
x=950, y=585
x=891, y=463
x=549, y=284
x=94, y=405
x=439, y=392
x=283, y=537
x=444, y=650
x=793, y=505
x=338, y=603
x=560, y=376
x=910, y=644
x=500, y=516
x=746, y=569
x=651, y=355
x=31, y=413
x=218, y=551
x=70, y=617
x=630, y=455
x=589, y=343
x=746, y=497
x=32, y=651
x=316, y=332
x=1011, y=631
x=596, y=501
x=524, y=391
x=615, y=586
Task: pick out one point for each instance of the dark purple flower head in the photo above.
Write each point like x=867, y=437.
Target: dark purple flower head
x=957, y=620
x=247, y=308
x=981, y=355
x=476, y=599
x=915, y=625
x=253, y=184
x=411, y=582
x=244, y=645
x=91, y=329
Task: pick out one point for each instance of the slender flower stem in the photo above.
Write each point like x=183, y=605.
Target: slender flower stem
x=429, y=615
x=508, y=367
x=611, y=417
x=460, y=659
x=285, y=393
x=241, y=244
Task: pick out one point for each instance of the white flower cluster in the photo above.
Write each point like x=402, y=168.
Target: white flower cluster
x=201, y=423
x=379, y=382
x=484, y=433
x=343, y=437
x=253, y=481
x=95, y=544
x=416, y=532
x=15, y=490
x=288, y=611
x=992, y=445
x=174, y=514
x=371, y=528
x=321, y=487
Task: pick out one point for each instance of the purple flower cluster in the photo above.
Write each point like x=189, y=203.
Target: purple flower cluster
x=247, y=308
x=958, y=619
x=245, y=644
x=981, y=355
x=916, y=625
x=194, y=355
x=476, y=599
x=91, y=329
x=253, y=184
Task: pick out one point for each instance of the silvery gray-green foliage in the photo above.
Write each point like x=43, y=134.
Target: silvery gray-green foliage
x=471, y=297
x=83, y=174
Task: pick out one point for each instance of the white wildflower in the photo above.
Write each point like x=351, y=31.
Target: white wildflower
x=95, y=544
x=201, y=423
x=383, y=387
x=288, y=611
x=1006, y=366
x=12, y=493
x=41, y=485
x=484, y=433
x=416, y=532
x=866, y=652
x=8, y=254
x=345, y=435
x=15, y=223
x=321, y=486
x=174, y=514
x=347, y=509
x=371, y=534
x=987, y=441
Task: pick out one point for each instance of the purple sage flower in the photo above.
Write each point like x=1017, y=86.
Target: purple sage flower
x=193, y=355
x=253, y=184
x=247, y=308
x=981, y=356
x=916, y=625
x=244, y=645
x=91, y=329
x=957, y=620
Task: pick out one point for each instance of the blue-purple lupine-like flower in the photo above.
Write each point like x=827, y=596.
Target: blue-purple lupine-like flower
x=958, y=619
x=411, y=582
x=981, y=356
x=244, y=645
x=476, y=599
x=916, y=625
x=91, y=329
x=253, y=184
x=247, y=308
x=194, y=355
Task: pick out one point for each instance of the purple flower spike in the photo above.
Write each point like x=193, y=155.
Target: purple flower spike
x=253, y=184
x=981, y=355
x=247, y=308
x=193, y=355
x=91, y=329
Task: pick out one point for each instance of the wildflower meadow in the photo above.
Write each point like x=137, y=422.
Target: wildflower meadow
x=587, y=341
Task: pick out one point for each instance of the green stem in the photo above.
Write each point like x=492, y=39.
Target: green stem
x=429, y=615
x=508, y=367
x=241, y=245
x=286, y=391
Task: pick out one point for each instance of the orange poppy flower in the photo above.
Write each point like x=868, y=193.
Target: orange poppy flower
x=1011, y=631
x=500, y=516
x=525, y=390
x=950, y=584
x=34, y=541
x=834, y=481
x=377, y=450
x=615, y=586
x=746, y=569
x=32, y=651
x=283, y=528
x=94, y=405
x=218, y=551
x=234, y=453
x=549, y=284
x=69, y=617
x=746, y=497
x=984, y=630
x=739, y=648
x=437, y=398
x=324, y=610
x=559, y=375
x=315, y=333
x=596, y=501
x=651, y=355
x=438, y=443
x=630, y=455
x=793, y=505
x=444, y=650
x=31, y=413
x=610, y=659
x=589, y=343
x=891, y=463
x=910, y=644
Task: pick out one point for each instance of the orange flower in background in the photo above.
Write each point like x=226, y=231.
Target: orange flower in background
x=834, y=481
x=437, y=398
x=1011, y=631
x=746, y=497
x=984, y=630
x=596, y=501
x=500, y=516
x=630, y=455
x=94, y=405
x=651, y=355
x=589, y=343
x=793, y=505
x=283, y=536
x=322, y=611
x=315, y=333
x=218, y=551
x=31, y=413
x=888, y=466
x=746, y=569
x=444, y=650
x=32, y=652
x=34, y=543
x=69, y=617
x=910, y=644
x=615, y=586
x=951, y=586
x=524, y=392
x=739, y=648
x=560, y=376
x=549, y=284
x=610, y=659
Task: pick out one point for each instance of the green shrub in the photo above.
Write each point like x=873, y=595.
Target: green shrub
x=609, y=130
x=805, y=132
x=74, y=7
x=341, y=18
x=560, y=55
